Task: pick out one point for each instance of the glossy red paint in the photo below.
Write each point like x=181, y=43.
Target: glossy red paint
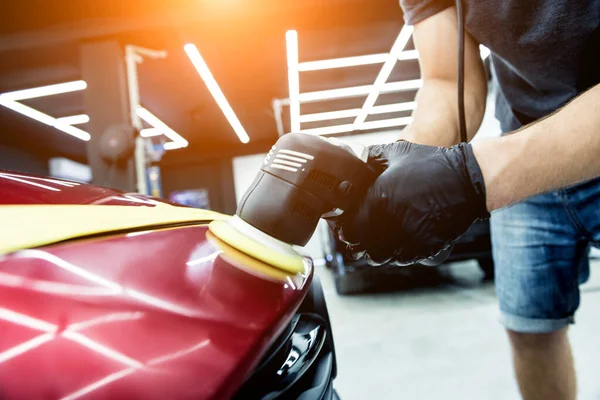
x=157, y=314
x=20, y=188
x=152, y=314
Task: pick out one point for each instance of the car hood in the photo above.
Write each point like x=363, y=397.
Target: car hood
x=155, y=310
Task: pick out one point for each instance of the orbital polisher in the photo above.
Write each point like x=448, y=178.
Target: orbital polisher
x=303, y=178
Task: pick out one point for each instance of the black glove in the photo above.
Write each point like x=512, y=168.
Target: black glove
x=425, y=198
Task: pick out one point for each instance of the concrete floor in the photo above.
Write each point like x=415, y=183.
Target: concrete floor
x=442, y=341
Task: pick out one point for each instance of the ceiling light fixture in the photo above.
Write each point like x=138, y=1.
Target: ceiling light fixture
x=342, y=62
x=155, y=122
x=372, y=92
x=383, y=109
x=357, y=91
x=44, y=118
x=384, y=123
x=330, y=94
x=291, y=40
x=215, y=91
x=172, y=146
x=28, y=111
x=150, y=132
x=354, y=61
x=408, y=55
x=324, y=116
x=401, y=86
x=384, y=73
x=43, y=91
x=74, y=119
x=73, y=131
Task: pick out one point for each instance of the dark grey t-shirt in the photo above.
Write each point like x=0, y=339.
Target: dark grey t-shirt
x=544, y=52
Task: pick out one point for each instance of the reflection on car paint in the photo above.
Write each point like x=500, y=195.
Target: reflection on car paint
x=105, y=283
x=28, y=181
x=125, y=372
x=51, y=332
x=71, y=333
x=128, y=198
x=138, y=303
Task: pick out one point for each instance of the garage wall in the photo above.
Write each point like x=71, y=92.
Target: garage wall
x=244, y=171
x=16, y=159
x=215, y=176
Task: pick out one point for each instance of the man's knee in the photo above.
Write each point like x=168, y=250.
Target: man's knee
x=531, y=341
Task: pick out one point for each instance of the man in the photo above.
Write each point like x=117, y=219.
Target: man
x=546, y=61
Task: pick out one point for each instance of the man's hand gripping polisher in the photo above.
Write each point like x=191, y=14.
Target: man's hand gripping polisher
x=303, y=178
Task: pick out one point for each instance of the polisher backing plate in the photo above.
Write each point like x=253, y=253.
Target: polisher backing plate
x=260, y=245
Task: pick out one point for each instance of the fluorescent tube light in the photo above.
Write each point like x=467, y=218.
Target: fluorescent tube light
x=154, y=121
x=329, y=115
x=71, y=130
x=384, y=123
x=43, y=91
x=401, y=86
x=330, y=94
x=28, y=111
x=44, y=118
x=150, y=132
x=215, y=91
x=357, y=91
x=74, y=119
x=324, y=116
x=354, y=61
x=408, y=55
x=291, y=40
x=172, y=146
x=343, y=62
x=384, y=73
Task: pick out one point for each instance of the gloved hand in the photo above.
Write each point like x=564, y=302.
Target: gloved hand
x=425, y=198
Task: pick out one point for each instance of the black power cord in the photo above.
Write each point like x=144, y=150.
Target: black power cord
x=461, y=71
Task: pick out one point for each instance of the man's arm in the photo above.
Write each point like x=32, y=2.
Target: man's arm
x=435, y=121
x=429, y=196
x=558, y=151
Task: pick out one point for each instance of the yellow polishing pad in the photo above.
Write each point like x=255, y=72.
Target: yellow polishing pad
x=289, y=260
x=247, y=263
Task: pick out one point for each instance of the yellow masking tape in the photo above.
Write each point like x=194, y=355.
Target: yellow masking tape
x=25, y=226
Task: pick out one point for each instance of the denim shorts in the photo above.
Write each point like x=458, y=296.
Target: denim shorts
x=540, y=249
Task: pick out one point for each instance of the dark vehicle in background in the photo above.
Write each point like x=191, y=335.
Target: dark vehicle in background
x=354, y=276
x=111, y=295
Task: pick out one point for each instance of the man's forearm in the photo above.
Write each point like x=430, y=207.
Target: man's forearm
x=435, y=121
x=559, y=151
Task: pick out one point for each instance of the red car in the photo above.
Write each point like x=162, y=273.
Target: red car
x=112, y=295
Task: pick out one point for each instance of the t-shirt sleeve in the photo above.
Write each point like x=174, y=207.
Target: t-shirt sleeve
x=417, y=10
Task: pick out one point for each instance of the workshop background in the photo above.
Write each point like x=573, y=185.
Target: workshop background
x=210, y=85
